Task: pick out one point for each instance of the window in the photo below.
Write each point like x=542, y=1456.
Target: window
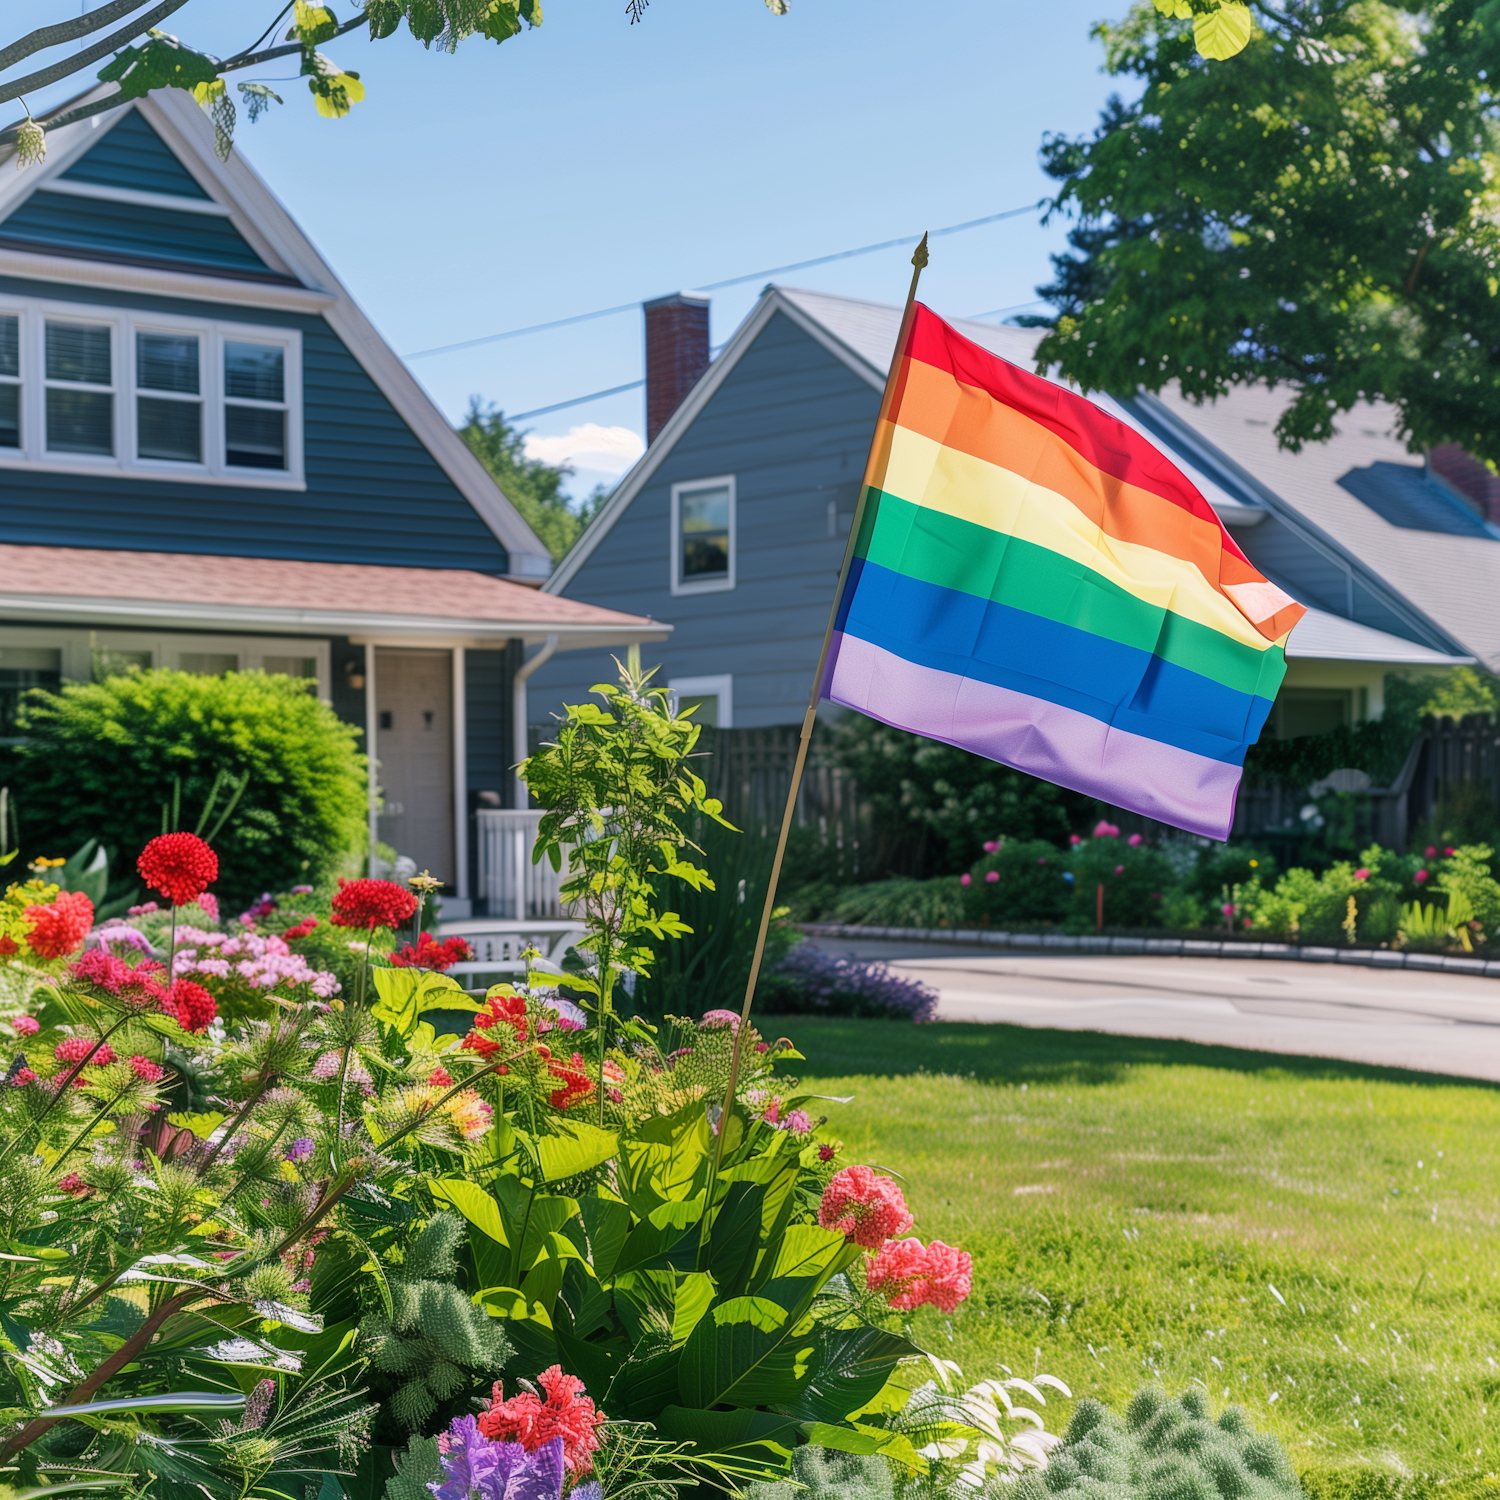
x=168, y=403
x=80, y=388
x=23, y=667
x=1302, y=711
x=703, y=540
x=208, y=663
x=111, y=661
x=254, y=405
x=88, y=388
x=10, y=381
x=712, y=697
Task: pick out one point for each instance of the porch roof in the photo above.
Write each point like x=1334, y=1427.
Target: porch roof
x=392, y=606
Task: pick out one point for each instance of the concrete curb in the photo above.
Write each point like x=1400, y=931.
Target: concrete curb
x=1054, y=942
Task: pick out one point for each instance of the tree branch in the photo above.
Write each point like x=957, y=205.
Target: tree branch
x=112, y=43
x=254, y=59
x=66, y=31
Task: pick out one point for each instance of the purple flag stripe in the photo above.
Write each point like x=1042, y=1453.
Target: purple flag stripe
x=1043, y=739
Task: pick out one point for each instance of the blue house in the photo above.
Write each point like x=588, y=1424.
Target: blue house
x=733, y=523
x=210, y=460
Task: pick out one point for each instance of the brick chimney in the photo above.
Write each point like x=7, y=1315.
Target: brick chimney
x=1461, y=472
x=676, y=354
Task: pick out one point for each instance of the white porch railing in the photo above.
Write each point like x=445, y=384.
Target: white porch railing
x=513, y=887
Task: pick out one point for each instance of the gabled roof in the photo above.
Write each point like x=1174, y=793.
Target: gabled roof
x=294, y=277
x=1228, y=449
x=181, y=591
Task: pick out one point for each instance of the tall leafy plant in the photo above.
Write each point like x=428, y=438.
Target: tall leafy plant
x=617, y=788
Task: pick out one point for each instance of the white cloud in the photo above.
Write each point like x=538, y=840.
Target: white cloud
x=607, y=450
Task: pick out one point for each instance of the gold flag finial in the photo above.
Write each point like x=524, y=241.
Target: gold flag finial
x=919, y=255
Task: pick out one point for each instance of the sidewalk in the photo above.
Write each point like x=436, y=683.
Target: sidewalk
x=1429, y=1021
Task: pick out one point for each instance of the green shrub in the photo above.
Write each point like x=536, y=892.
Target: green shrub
x=1308, y=908
x=899, y=902
x=1162, y=1450
x=1135, y=877
x=102, y=760
x=1018, y=883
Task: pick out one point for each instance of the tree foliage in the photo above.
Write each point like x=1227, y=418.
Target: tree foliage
x=144, y=58
x=533, y=486
x=1322, y=216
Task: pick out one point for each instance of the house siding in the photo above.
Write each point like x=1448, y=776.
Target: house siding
x=792, y=423
x=374, y=494
x=132, y=155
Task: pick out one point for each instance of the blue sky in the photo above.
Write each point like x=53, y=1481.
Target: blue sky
x=591, y=162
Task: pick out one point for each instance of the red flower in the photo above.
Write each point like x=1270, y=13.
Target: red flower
x=135, y=989
x=179, y=865
x=911, y=1275
x=146, y=1070
x=430, y=954
x=827, y=1152
x=440, y=1078
x=21, y=1077
x=528, y=1420
x=74, y=1185
x=9, y=947
x=194, y=1005
x=301, y=930
x=864, y=1206
x=73, y=1049
x=57, y=929
x=26, y=1025
x=509, y=1009
x=368, y=904
x=576, y=1084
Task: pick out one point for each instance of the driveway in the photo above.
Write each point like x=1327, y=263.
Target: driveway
x=1440, y=1023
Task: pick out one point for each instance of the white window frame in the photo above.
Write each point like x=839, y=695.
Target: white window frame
x=212, y=334
x=167, y=649
x=721, y=687
x=703, y=585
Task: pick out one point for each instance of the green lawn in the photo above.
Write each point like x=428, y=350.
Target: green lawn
x=1314, y=1240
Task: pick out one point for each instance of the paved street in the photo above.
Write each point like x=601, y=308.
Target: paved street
x=1444, y=1023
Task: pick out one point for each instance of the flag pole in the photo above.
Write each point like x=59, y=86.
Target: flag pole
x=918, y=262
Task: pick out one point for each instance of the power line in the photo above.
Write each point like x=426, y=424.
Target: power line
x=1016, y=307
x=715, y=286
x=541, y=411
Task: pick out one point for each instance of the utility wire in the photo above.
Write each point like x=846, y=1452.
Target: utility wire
x=714, y=286
x=541, y=411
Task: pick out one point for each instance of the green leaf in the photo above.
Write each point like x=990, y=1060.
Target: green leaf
x=607, y=1223
x=695, y=1294
x=330, y=1489
x=577, y=1147
x=1225, y=31
x=735, y=1238
x=850, y=1368
x=758, y=1436
x=313, y=24
x=405, y=995
x=743, y=1356
x=163, y=62
x=476, y=1205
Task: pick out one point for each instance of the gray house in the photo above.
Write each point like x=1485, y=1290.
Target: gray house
x=210, y=460
x=732, y=525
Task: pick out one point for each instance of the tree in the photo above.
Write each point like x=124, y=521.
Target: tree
x=143, y=58
x=1322, y=215
x=531, y=485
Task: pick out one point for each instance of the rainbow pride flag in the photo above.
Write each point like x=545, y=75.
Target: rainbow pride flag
x=1033, y=581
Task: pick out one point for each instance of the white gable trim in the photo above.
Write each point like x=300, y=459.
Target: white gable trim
x=771, y=303
x=177, y=202
x=255, y=211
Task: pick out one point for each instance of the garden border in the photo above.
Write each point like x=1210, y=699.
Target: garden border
x=1370, y=958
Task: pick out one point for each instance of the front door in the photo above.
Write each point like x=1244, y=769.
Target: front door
x=414, y=745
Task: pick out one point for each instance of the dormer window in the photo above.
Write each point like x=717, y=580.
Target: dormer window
x=85, y=389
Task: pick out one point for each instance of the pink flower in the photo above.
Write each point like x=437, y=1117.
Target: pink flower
x=966, y=880
x=1103, y=830
x=993, y=878
x=26, y=1025
x=1119, y=869
x=864, y=1207
x=799, y=1122
x=990, y=846
x=1228, y=909
x=21, y=1077
x=827, y=1152
x=527, y=1419
x=1135, y=841
x=74, y=1049
x=146, y=1070
x=1361, y=874
x=713, y=1020
x=1448, y=850
x=912, y=1275
x=1419, y=877
x=1429, y=851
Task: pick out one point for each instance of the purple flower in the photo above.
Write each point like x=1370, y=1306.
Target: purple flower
x=474, y=1468
x=846, y=986
x=300, y=1149
x=569, y=1017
